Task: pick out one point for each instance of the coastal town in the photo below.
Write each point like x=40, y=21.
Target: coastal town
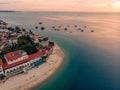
x=21, y=50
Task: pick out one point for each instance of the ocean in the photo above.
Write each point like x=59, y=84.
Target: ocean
x=92, y=59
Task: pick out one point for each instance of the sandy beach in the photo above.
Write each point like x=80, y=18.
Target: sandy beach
x=36, y=75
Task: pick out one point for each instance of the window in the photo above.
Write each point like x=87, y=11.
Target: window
x=11, y=70
x=14, y=69
x=8, y=72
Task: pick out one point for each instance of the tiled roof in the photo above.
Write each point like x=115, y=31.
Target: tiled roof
x=31, y=57
x=13, y=55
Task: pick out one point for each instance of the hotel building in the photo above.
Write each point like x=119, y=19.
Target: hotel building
x=18, y=62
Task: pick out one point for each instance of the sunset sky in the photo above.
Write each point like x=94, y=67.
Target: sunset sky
x=61, y=5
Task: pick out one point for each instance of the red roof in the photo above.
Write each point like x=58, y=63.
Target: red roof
x=31, y=57
x=2, y=39
x=13, y=55
x=1, y=63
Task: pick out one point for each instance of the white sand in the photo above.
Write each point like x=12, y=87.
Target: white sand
x=36, y=75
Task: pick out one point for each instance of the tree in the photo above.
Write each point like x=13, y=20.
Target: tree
x=11, y=29
x=17, y=29
x=45, y=39
x=2, y=76
x=8, y=49
x=25, y=40
x=29, y=49
x=25, y=43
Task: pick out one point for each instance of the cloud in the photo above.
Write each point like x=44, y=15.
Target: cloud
x=116, y=4
x=102, y=5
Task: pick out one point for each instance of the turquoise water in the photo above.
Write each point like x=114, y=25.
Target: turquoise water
x=92, y=60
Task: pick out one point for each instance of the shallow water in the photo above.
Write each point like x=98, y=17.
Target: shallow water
x=92, y=59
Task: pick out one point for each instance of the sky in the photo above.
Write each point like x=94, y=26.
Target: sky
x=61, y=5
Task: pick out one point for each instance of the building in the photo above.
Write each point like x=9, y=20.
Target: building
x=3, y=24
x=1, y=68
x=18, y=62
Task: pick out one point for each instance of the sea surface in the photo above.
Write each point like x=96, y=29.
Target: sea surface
x=92, y=59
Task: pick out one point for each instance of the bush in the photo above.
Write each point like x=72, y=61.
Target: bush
x=2, y=76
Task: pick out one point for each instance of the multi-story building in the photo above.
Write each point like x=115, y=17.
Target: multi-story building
x=18, y=62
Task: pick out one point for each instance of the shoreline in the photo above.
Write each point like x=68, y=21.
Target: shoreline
x=33, y=77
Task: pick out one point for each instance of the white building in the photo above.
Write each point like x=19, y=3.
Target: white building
x=19, y=62
x=1, y=68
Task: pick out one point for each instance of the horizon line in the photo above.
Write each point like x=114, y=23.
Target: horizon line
x=56, y=11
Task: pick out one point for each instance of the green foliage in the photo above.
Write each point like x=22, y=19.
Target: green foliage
x=29, y=49
x=51, y=44
x=7, y=50
x=17, y=29
x=25, y=40
x=2, y=76
x=25, y=43
x=10, y=29
x=44, y=57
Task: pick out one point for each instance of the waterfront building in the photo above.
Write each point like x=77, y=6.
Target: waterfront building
x=19, y=62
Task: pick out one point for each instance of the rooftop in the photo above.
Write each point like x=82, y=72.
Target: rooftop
x=14, y=55
x=31, y=57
